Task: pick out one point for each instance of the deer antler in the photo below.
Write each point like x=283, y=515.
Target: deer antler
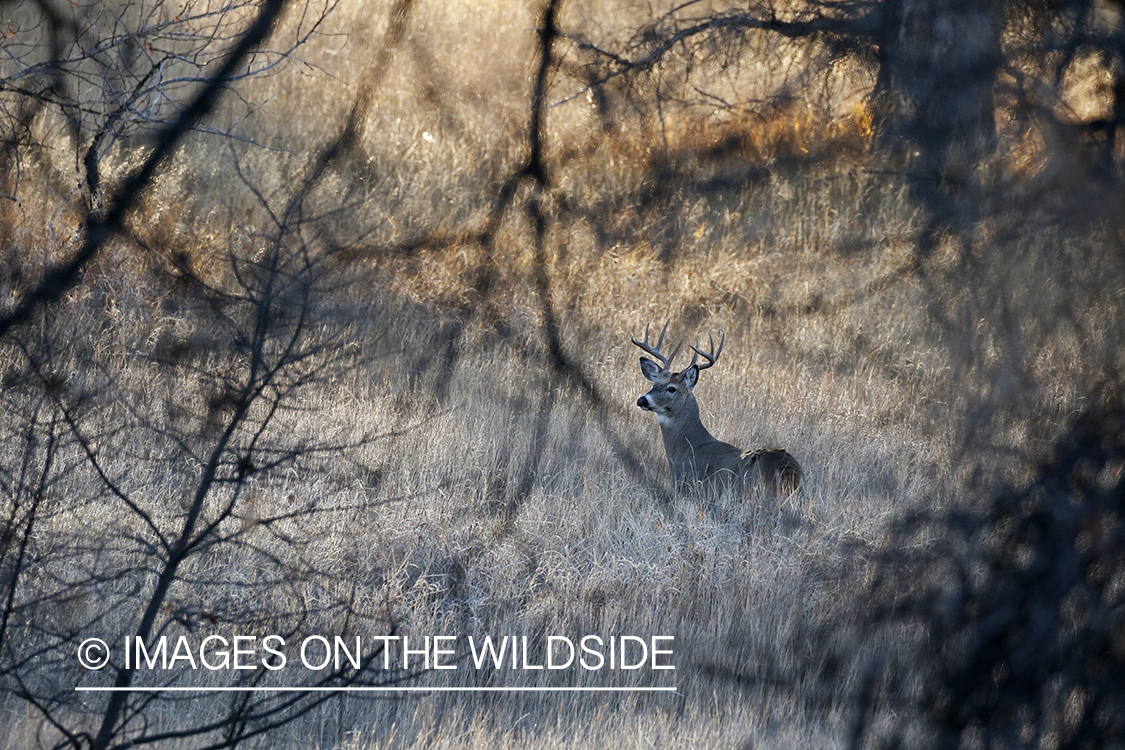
x=654, y=350
x=713, y=356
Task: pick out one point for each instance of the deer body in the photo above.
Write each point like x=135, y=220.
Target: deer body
x=696, y=457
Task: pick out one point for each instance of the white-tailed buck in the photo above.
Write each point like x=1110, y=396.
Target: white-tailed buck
x=696, y=457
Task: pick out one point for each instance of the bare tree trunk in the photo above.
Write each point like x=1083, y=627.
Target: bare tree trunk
x=1117, y=55
x=939, y=61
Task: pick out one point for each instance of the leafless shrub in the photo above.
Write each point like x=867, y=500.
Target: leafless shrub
x=1017, y=604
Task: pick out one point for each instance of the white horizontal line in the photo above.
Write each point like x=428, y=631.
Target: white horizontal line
x=372, y=689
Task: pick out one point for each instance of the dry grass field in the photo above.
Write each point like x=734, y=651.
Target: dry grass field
x=427, y=462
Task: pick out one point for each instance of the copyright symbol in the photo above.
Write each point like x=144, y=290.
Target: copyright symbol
x=93, y=654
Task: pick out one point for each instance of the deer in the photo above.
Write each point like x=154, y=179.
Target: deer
x=699, y=460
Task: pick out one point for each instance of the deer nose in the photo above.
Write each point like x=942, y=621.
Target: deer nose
x=641, y=402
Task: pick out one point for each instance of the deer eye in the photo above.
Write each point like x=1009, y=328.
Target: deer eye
x=671, y=389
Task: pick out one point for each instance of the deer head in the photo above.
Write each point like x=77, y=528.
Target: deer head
x=672, y=391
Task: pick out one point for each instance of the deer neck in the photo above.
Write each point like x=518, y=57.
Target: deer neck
x=684, y=434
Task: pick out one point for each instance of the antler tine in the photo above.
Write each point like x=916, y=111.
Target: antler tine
x=660, y=342
x=666, y=362
x=711, y=357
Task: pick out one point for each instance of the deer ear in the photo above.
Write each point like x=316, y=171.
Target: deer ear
x=690, y=376
x=650, y=369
